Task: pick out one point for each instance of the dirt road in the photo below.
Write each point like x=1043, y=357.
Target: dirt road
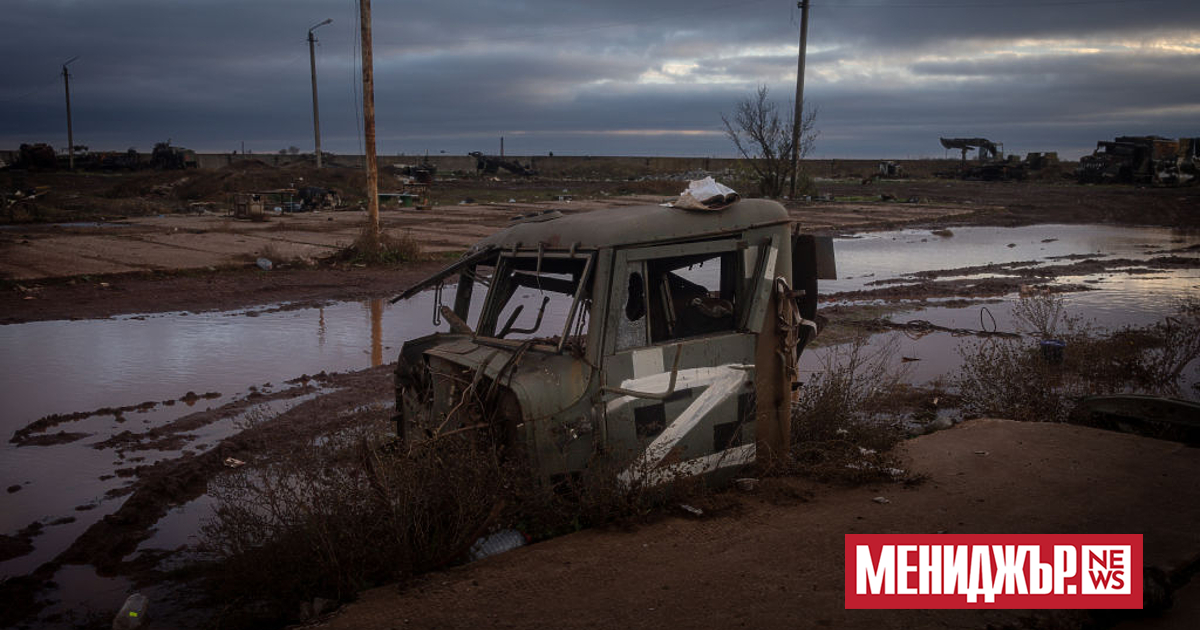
x=774, y=559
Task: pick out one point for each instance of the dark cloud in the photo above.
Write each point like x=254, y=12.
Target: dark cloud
x=888, y=76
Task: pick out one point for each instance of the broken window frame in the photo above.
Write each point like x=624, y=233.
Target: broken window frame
x=637, y=260
x=493, y=304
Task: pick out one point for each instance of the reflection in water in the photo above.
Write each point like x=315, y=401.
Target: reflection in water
x=376, y=306
x=321, y=327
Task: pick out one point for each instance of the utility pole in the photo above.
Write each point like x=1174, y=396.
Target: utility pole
x=798, y=120
x=368, y=77
x=312, y=63
x=70, y=135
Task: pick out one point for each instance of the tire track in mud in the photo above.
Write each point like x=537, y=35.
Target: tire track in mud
x=170, y=483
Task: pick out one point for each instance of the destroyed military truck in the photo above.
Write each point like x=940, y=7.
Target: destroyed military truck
x=664, y=339
x=1141, y=160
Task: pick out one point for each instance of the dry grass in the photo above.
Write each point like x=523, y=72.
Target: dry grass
x=343, y=513
x=1010, y=378
x=844, y=422
x=381, y=248
x=353, y=510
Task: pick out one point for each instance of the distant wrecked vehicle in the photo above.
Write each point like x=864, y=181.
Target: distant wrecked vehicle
x=665, y=338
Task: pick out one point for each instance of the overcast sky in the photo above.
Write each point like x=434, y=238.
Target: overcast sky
x=605, y=77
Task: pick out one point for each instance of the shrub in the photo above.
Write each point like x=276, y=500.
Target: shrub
x=843, y=421
x=355, y=509
x=381, y=249
x=1010, y=378
x=344, y=513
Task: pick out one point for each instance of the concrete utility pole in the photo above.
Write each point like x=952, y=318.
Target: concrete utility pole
x=368, y=77
x=798, y=121
x=70, y=135
x=312, y=63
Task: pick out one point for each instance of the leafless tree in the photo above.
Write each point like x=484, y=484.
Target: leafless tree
x=763, y=138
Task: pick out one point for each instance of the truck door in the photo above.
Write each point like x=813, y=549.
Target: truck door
x=679, y=353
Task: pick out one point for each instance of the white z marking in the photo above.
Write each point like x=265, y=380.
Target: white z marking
x=722, y=382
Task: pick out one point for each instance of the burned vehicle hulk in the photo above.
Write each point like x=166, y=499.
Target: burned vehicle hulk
x=664, y=339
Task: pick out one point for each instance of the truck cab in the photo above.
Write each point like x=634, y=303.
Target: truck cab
x=661, y=338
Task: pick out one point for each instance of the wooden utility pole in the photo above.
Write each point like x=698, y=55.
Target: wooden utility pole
x=368, y=78
x=798, y=120
x=312, y=64
x=70, y=134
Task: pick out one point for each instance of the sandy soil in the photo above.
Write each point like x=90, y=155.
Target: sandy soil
x=775, y=559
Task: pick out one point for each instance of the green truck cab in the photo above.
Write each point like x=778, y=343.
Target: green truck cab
x=665, y=339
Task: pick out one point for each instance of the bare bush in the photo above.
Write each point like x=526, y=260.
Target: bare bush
x=1012, y=379
x=840, y=420
x=353, y=510
x=1042, y=313
x=1004, y=378
x=342, y=514
x=763, y=138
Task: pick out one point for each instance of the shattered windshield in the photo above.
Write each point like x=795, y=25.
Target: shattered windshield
x=532, y=297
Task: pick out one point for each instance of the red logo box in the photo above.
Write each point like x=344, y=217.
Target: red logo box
x=1085, y=571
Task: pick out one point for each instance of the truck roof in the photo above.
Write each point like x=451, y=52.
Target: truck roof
x=633, y=225
x=613, y=227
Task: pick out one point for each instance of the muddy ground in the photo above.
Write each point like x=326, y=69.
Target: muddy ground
x=754, y=554
x=154, y=242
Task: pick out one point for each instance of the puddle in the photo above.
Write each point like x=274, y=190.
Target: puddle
x=124, y=361
x=875, y=256
x=87, y=599
x=1124, y=296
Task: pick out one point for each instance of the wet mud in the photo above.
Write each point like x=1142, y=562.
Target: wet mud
x=34, y=433
x=157, y=488
x=982, y=288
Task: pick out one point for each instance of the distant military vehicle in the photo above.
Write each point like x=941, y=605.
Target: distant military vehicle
x=490, y=165
x=166, y=157
x=36, y=157
x=1141, y=160
x=664, y=338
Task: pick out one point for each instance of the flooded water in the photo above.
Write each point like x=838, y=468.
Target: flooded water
x=79, y=367
x=875, y=256
x=1119, y=298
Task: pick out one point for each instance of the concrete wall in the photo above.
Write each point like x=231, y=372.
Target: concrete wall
x=553, y=166
x=566, y=165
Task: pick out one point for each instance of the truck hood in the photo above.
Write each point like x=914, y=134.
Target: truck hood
x=544, y=383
